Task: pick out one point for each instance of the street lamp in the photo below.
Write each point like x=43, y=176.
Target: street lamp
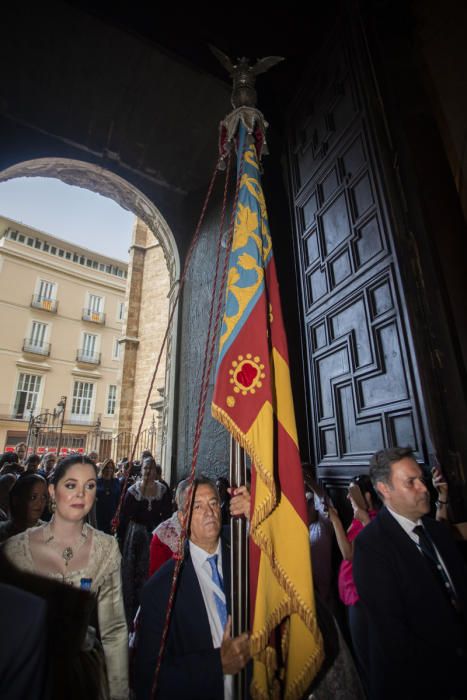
x=61, y=414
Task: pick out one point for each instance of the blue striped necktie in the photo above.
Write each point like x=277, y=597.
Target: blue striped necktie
x=220, y=604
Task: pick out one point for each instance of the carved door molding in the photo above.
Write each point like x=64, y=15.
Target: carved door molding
x=362, y=376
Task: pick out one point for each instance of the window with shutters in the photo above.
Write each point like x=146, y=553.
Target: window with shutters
x=116, y=350
x=81, y=406
x=89, y=352
x=45, y=296
x=94, y=309
x=27, y=395
x=37, y=335
x=36, y=341
x=95, y=303
x=111, y=400
x=89, y=345
x=46, y=290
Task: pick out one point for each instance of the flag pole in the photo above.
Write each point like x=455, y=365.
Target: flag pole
x=238, y=562
x=253, y=400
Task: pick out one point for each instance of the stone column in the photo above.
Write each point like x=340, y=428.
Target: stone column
x=130, y=339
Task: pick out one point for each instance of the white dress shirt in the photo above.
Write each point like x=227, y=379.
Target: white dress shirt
x=200, y=557
x=408, y=526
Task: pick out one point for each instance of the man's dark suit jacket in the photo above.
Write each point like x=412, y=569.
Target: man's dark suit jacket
x=417, y=640
x=61, y=620
x=23, y=644
x=191, y=667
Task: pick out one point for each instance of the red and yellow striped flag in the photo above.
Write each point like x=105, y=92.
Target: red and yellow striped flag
x=253, y=400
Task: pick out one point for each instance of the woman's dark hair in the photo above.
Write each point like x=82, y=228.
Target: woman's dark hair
x=107, y=463
x=19, y=495
x=149, y=459
x=33, y=460
x=64, y=464
x=8, y=458
x=9, y=468
x=365, y=485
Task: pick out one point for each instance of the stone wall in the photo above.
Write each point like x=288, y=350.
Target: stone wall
x=197, y=294
x=147, y=307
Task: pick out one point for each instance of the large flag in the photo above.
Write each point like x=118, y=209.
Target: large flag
x=253, y=400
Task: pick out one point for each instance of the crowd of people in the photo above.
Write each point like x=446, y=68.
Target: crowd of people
x=390, y=584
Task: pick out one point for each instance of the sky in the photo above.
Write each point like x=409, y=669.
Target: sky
x=72, y=213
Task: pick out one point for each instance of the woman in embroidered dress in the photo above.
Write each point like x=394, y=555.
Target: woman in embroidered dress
x=147, y=503
x=69, y=550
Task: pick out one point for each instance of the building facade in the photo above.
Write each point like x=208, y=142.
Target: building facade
x=62, y=309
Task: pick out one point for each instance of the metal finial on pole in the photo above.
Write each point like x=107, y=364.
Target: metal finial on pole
x=244, y=76
x=244, y=102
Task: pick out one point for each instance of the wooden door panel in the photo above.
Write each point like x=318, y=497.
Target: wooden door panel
x=327, y=112
x=360, y=375
x=341, y=228
x=360, y=368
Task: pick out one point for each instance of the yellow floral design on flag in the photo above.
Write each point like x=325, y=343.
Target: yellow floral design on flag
x=246, y=225
x=251, y=248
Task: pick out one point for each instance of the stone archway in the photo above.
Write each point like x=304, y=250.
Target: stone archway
x=108, y=184
x=104, y=182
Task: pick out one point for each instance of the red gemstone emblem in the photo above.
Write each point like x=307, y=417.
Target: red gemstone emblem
x=247, y=374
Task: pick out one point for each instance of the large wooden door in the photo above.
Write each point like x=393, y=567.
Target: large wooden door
x=362, y=375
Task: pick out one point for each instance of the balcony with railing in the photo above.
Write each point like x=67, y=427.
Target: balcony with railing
x=44, y=303
x=88, y=358
x=8, y=412
x=34, y=348
x=84, y=419
x=93, y=316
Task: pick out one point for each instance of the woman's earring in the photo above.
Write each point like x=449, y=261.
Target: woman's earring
x=53, y=505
